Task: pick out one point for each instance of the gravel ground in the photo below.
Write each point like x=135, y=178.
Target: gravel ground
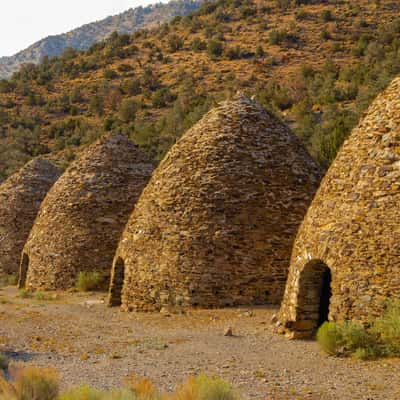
x=89, y=342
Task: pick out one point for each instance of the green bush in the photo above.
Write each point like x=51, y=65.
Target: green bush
x=198, y=45
x=175, y=43
x=325, y=35
x=327, y=15
x=128, y=110
x=131, y=87
x=110, y=74
x=233, y=53
x=329, y=338
x=88, y=281
x=388, y=329
x=96, y=105
x=162, y=97
x=279, y=36
x=378, y=338
x=83, y=392
x=215, y=48
x=24, y=294
x=214, y=389
x=8, y=280
x=3, y=362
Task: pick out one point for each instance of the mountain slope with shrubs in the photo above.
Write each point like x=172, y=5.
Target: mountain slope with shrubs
x=83, y=37
x=317, y=64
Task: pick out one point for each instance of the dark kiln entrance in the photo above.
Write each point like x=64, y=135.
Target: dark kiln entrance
x=117, y=282
x=23, y=271
x=314, y=294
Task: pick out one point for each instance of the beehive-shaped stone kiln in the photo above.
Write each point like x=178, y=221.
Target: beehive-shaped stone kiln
x=82, y=217
x=20, y=198
x=346, y=258
x=216, y=224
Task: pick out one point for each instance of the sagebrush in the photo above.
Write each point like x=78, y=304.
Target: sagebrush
x=379, y=337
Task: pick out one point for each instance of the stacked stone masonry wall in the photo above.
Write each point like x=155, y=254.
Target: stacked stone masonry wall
x=83, y=216
x=20, y=198
x=216, y=224
x=353, y=224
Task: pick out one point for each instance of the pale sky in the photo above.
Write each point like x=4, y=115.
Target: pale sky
x=23, y=22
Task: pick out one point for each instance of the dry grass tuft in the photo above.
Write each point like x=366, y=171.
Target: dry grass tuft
x=30, y=383
x=88, y=281
x=142, y=388
x=33, y=383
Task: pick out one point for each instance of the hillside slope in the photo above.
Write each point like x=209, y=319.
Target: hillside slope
x=82, y=38
x=317, y=65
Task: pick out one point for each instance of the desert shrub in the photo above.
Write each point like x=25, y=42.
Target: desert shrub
x=214, y=389
x=83, y=392
x=162, y=97
x=283, y=4
x=131, y=87
x=24, y=294
x=329, y=338
x=150, y=80
x=110, y=74
x=175, y=43
x=248, y=11
x=215, y=48
x=96, y=105
x=40, y=296
x=6, y=86
x=142, y=388
x=88, y=281
x=325, y=35
x=343, y=339
x=198, y=44
x=3, y=362
x=8, y=280
x=388, y=329
x=36, y=384
x=379, y=338
x=359, y=341
x=260, y=53
x=233, y=53
x=205, y=388
x=327, y=15
x=302, y=15
x=123, y=394
x=279, y=36
x=276, y=95
x=221, y=16
x=348, y=338
x=42, y=384
x=128, y=109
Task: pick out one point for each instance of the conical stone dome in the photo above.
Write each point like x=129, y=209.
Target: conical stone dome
x=20, y=198
x=346, y=258
x=216, y=223
x=82, y=217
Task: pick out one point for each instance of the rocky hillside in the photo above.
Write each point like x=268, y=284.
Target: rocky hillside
x=83, y=37
x=317, y=65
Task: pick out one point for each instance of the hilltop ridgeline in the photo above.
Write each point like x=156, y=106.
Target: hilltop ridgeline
x=83, y=37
